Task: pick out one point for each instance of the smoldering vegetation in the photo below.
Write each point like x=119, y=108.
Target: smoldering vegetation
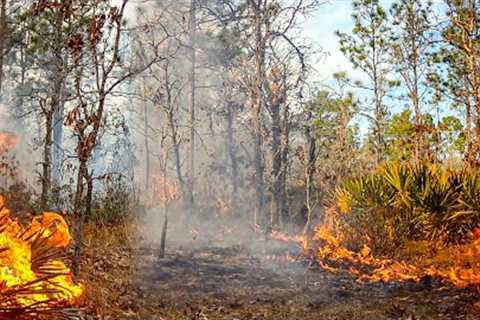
x=200, y=158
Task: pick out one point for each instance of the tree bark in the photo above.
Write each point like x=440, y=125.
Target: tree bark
x=57, y=82
x=3, y=37
x=276, y=166
x=191, y=95
x=310, y=167
x=78, y=209
x=284, y=211
x=231, y=154
x=259, y=217
x=147, y=147
x=47, y=150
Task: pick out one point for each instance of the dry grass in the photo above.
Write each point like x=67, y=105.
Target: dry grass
x=107, y=268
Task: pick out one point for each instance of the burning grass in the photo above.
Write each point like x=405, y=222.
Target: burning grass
x=34, y=281
x=417, y=261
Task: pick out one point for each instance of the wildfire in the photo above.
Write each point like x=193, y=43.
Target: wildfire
x=32, y=277
x=299, y=239
x=7, y=141
x=459, y=265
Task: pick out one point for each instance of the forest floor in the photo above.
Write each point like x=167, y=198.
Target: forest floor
x=220, y=280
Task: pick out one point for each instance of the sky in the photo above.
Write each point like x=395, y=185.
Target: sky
x=321, y=27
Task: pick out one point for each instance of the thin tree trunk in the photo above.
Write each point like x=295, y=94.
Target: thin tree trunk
x=79, y=216
x=57, y=148
x=310, y=167
x=232, y=157
x=3, y=37
x=469, y=155
x=187, y=193
x=147, y=147
x=57, y=82
x=276, y=166
x=47, y=151
x=163, y=241
x=284, y=212
x=191, y=96
x=259, y=217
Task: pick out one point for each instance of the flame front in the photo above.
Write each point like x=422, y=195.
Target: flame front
x=31, y=273
x=458, y=265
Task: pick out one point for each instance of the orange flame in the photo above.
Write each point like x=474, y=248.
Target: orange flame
x=25, y=262
x=8, y=141
x=458, y=265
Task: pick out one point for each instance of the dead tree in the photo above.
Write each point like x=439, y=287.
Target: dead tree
x=169, y=105
x=101, y=57
x=271, y=26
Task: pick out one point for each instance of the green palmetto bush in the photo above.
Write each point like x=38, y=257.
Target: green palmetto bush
x=402, y=202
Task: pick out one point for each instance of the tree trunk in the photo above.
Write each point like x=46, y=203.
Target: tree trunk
x=475, y=157
x=163, y=240
x=232, y=157
x=57, y=82
x=259, y=217
x=57, y=148
x=276, y=166
x=186, y=192
x=191, y=96
x=469, y=154
x=284, y=211
x=47, y=151
x=79, y=216
x=147, y=148
x=3, y=37
x=310, y=167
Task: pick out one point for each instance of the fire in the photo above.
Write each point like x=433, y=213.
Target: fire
x=7, y=141
x=299, y=239
x=163, y=192
x=458, y=265
x=31, y=274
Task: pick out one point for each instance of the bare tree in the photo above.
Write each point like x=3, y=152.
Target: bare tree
x=100, y=54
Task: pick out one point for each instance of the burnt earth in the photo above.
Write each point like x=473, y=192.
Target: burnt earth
x=231, y=282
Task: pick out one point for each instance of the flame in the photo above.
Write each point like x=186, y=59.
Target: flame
x=163, y=192
x=8, y=141
x=30, y=274
x=299, y=239
x=458, y=265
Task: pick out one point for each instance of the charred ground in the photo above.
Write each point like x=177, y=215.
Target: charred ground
x=218, y=280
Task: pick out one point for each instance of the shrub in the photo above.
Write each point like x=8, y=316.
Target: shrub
x=114, y=200
x=402, y=202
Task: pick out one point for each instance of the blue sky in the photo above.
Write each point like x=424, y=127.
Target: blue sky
x=320, y=28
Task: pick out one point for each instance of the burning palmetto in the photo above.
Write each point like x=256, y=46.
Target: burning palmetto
x=33, y=278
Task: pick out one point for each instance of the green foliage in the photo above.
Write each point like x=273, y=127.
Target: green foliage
x=402, y=202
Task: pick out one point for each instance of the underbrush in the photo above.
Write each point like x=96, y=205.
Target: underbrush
x=107, y=268
x=113, y=201
x=405, y=223
x=401, y=203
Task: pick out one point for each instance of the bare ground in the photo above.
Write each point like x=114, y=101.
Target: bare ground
x=221, y=279
x=231, y=283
